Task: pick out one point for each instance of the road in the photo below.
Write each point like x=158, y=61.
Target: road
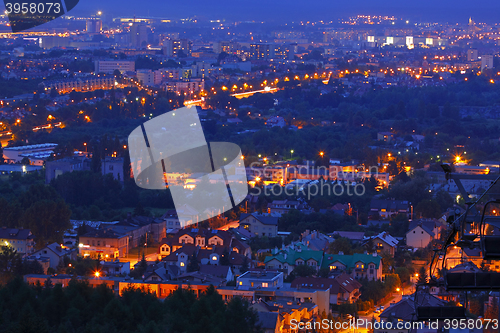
x=396, y=298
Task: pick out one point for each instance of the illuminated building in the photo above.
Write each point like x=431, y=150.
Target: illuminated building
x=138, y=35
x=173, y=47
x=185, y=87
x=486, y=62
x=81, y=84
x=109, y=66
x=94, y=26
x=104, y=244
x=472, y=55
x=20, y=240
x=16, y=154
x=262, y=51
x=149, y=78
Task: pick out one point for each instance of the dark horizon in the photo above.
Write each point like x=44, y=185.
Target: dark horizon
x=424, y=10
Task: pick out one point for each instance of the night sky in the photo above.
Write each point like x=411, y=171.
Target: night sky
x=280, y=10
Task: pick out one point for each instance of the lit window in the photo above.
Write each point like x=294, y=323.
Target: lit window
x=333, y=267
x=182, y=264
x=241, y=283
x=214, y=258
x=265, y=285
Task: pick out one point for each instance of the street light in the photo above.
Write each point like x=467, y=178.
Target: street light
x=291, y=154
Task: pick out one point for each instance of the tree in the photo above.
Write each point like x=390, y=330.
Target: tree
x=492, y=309
x=224, y=260
x=48, y=220
x=25, y=161
x=96, y=162
x=392, y=282
x=341, y=244
x=8, y=259
x=428, y=209
x=404, y=274
x=244, y=265
x=126, y=166
x=303, y=271
x=193, y=265
x=422, y=275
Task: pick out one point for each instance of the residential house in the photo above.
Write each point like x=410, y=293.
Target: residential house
x=359, y=266
x=137, y=227
x=206, y=256
x=382, y=242
x=315, y=240
x=223, y=272
x=354, y=236
x=112, y=268
x=56, y=253
x=161, y=272
x=181, y=257
x=276, y=122
x=198, y=277
x=279, y=316
x=21, y=240
x=340, y=209
x=284, y=206
x=385, y=136
x=171, y=220
x=286, y=260
x=343, y=288
x=205, y=239
x=405, y=310
x=105, y=244
x=260, y=278
x=260, y=224
x=387, y=208
x=422, y=232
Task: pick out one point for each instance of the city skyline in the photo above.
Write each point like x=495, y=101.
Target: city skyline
x=281, y=11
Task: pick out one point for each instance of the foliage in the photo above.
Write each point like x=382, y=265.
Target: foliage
x=301, y=271
x=81, y=308
x=341, y=244
x=422, y=275
x=40, y=209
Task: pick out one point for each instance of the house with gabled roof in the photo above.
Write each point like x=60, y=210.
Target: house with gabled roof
x=343, y=288
x=260, y=224
x=205, y=239
x=358, y=265
x=21, y=240
x=286, y=260
x=405, y=309
x=382, y=242
x=422, y=232
x=56, y=253
x=387, y=208
x=105, y=244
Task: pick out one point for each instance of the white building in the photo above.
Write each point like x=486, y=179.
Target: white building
x=109, y=66
x=486, y=61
